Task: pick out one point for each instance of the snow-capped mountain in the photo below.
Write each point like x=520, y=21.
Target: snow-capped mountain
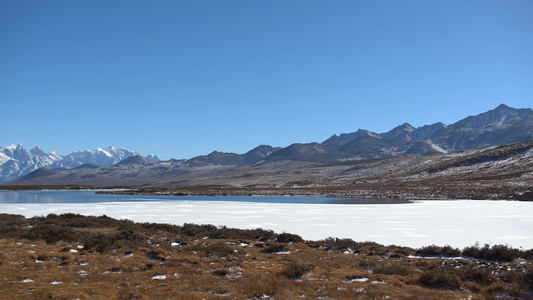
x=153, y=157
x=17, y=161
x=98, y=156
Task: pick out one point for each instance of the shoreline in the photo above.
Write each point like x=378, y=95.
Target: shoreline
x=501, y=190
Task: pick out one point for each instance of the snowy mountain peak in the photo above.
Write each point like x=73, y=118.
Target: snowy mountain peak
x=17, y=161
x=13, y=147
x=153, y=157
x=37, y=151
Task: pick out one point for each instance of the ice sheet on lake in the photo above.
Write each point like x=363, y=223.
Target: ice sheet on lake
x=457, y=223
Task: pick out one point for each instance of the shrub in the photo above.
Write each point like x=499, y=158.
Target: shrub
x=479, y=276
x=392, y=269
x=219, y=249
x=496, y=252
x=50, y=233
x=440, y=279
x=528, y=254
x=197, y=230
x=174, y=229
x=126, y=295
x=9, y=219
x=288, y=238
x=275, y=248
x=528, y=279
x=296, y=271
x=336, y=243
x=105, y=242
x=433, y=250
x=220, y=273
x=155, y=255
x=80, y=221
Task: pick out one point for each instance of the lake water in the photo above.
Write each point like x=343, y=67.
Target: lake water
x=89, y=196
x=458, y=223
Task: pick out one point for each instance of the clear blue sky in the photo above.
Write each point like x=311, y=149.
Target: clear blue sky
x=184, y=78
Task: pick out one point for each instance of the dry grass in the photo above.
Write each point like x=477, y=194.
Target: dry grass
x=124, y=260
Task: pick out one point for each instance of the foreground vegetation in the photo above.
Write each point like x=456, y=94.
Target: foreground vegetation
x=71, y=256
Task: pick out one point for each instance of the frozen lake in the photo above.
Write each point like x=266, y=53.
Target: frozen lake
x=458, y=223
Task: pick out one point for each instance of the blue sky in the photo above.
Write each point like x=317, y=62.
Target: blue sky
x=184, y=78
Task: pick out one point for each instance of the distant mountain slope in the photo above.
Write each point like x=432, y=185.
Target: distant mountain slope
x=232, y=159
x=17, y=161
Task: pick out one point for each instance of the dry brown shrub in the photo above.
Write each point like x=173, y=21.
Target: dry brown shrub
x=296, y=270
x=275, y=248
x=440, y=279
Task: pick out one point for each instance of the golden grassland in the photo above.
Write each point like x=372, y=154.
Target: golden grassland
x=75, y=257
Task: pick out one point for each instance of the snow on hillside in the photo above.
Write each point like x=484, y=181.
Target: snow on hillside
x=4, y=158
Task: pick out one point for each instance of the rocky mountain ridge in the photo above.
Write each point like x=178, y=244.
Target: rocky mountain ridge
x=472, y=132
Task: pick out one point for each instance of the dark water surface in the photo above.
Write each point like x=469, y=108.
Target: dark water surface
x=89, y=196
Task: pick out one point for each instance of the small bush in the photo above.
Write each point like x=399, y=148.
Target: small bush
x=479, y=276
x=528, y=279
x=223, y=232
x=496, y=252
x=50, y=233
x=105, y=242
x=155, y=255
x=197, y=230
x=219, y=249
x=174, y=229
x=440, y=279
x=275, y=248
x=500, y=290
x=126, y=294
x=288, y=238
x=296, y=271
x=392, y=269
x=9, y=219
x=446, y=251
x=528, y=254
x=336, y=243
x=220, y=273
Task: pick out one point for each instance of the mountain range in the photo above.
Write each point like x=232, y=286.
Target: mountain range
x=17, y=161
x=502, y=125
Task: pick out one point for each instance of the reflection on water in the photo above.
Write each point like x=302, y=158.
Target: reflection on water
x=13, y=197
